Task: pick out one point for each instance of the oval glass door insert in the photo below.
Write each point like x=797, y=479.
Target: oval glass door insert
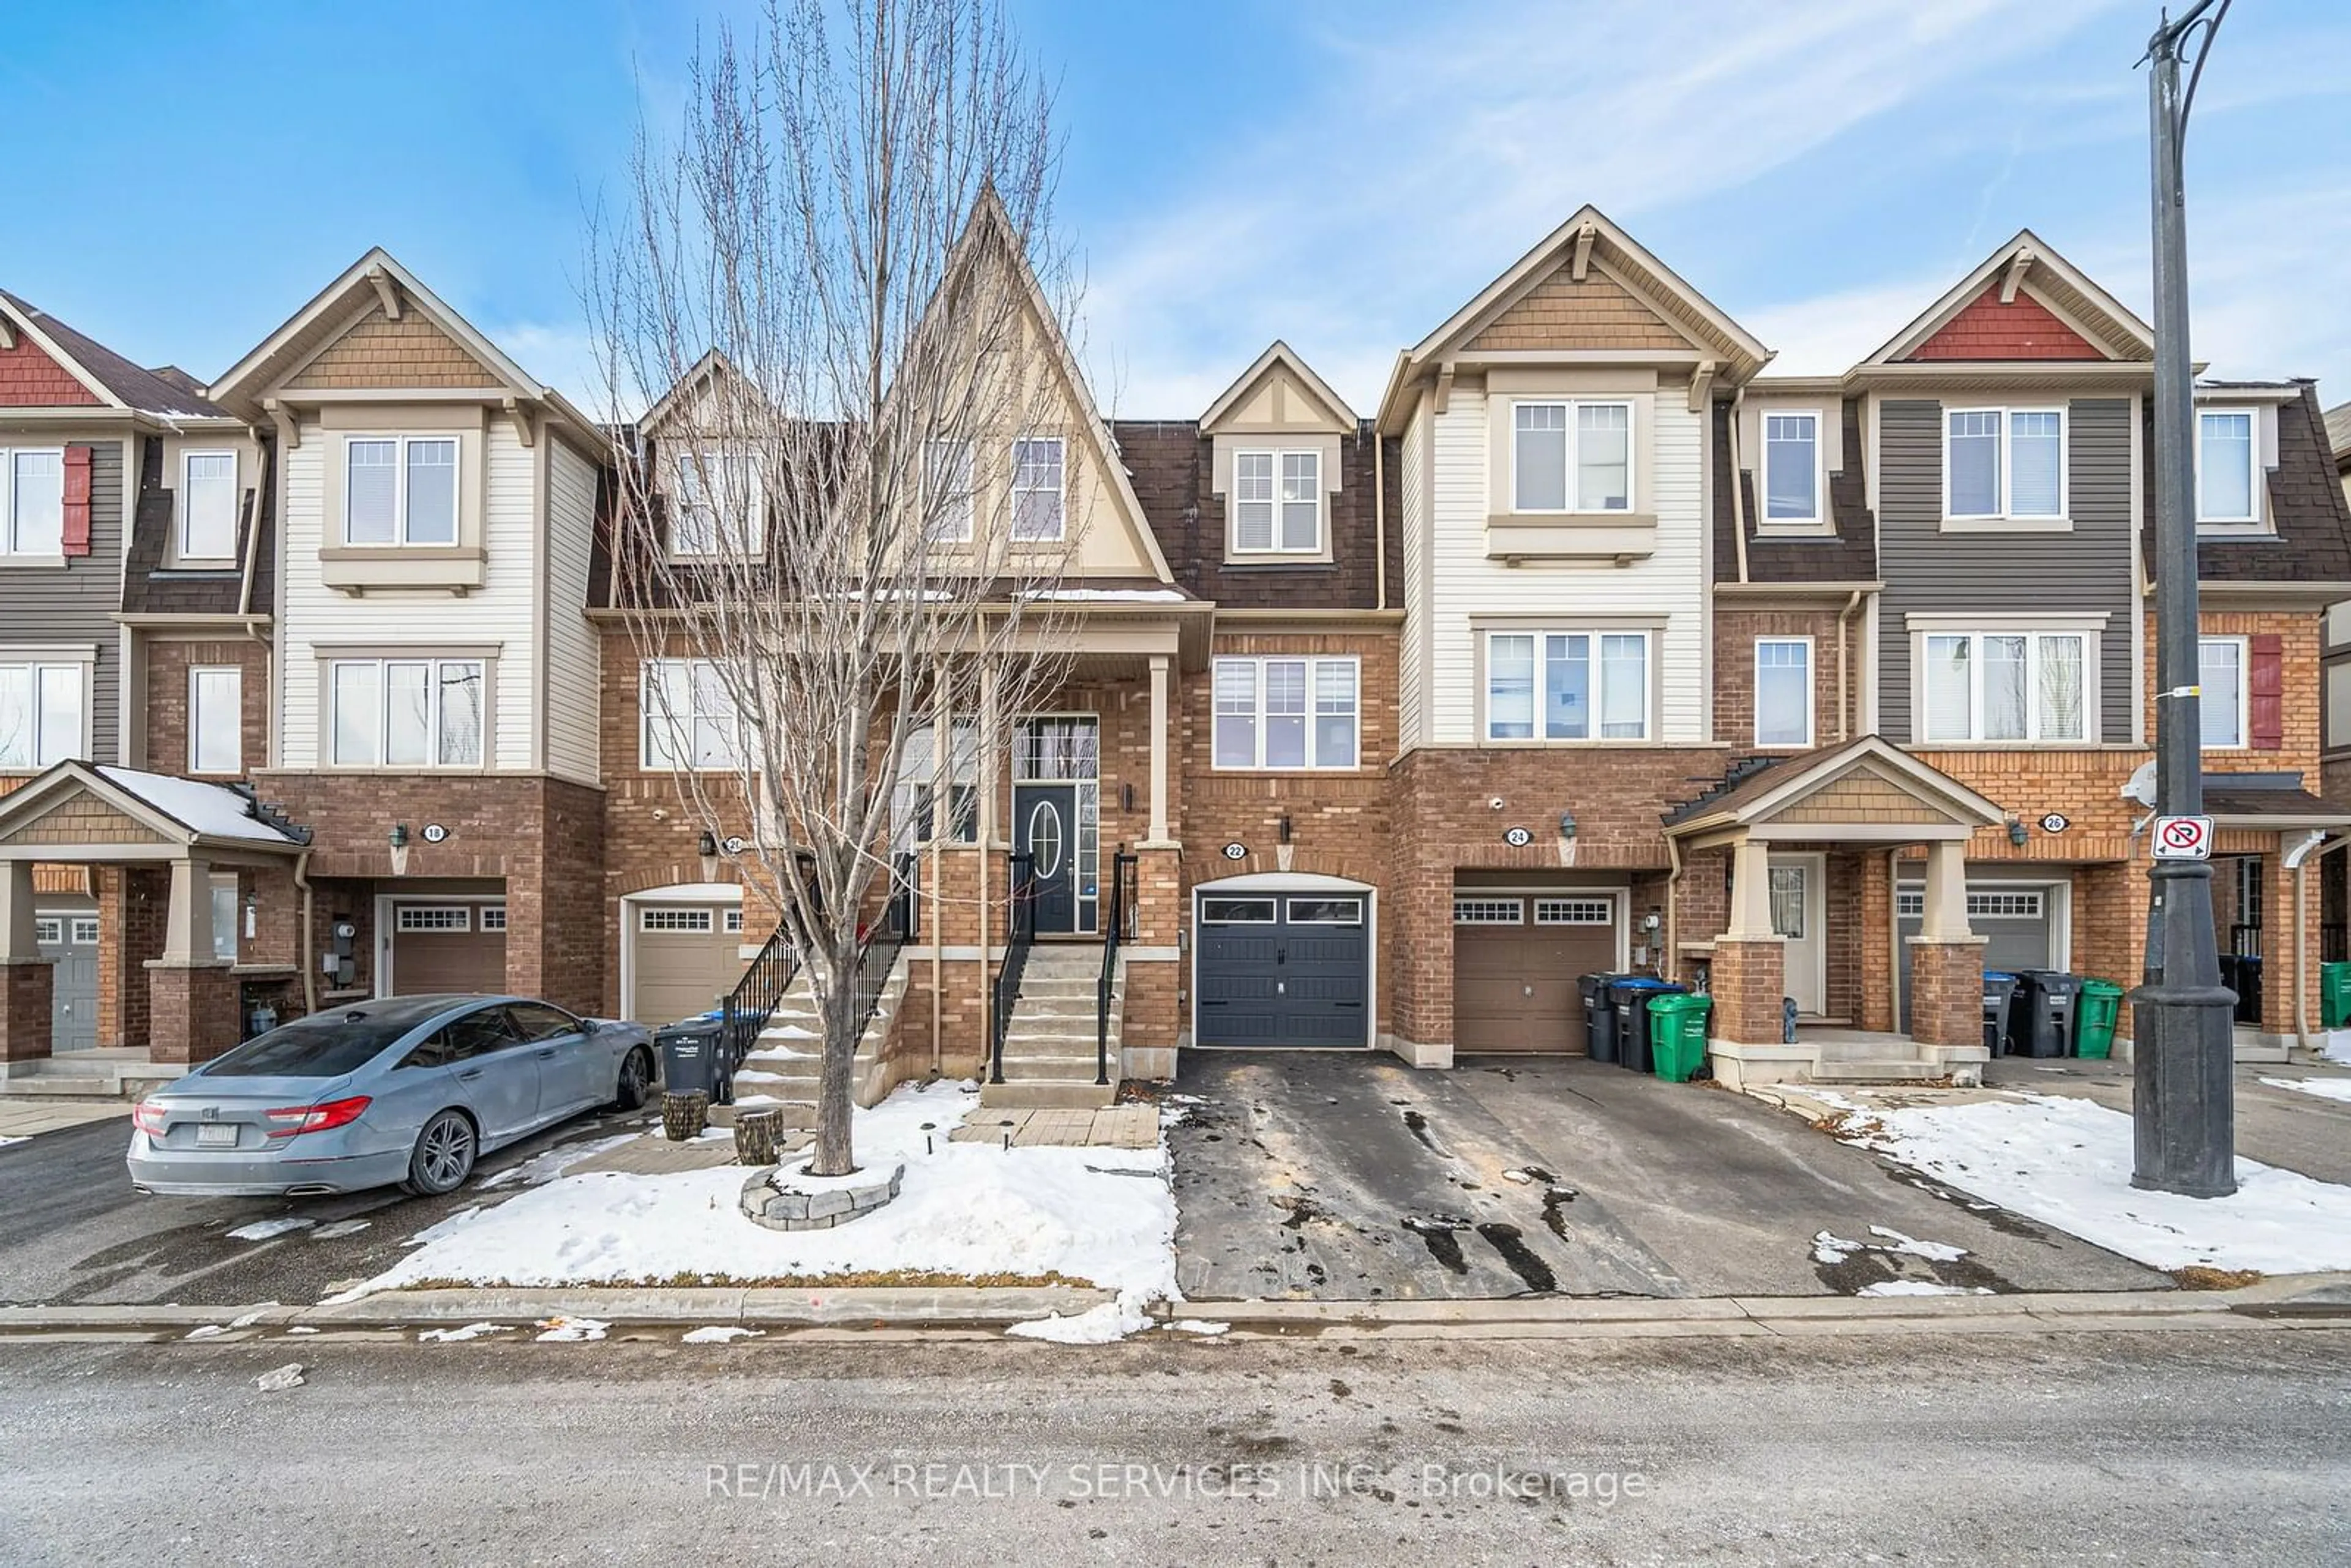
x=1045, y=839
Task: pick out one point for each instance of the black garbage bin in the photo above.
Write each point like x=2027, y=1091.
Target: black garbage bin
x=1599, y=1015
x=2041, y=1013
x=1999, y=1005
x=693, y=1059
x=2248, y=986
x=1628, y=997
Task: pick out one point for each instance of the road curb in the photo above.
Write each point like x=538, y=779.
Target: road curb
x=2278, y=1303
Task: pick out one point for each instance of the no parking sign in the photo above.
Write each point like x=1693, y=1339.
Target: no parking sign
x=2183, y=838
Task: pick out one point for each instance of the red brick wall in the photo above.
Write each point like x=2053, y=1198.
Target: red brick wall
x=1747, y=984
x=1947, y=993
x=167, y=663
x=30, y=379
x=2024, y=328
x=1735, y=632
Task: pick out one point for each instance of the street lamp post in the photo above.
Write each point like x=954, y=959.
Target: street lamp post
x=2183, y=1104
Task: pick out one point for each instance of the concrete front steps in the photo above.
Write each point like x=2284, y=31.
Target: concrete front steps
x=1050, y=1060
x=1830, y=1055
x=780, y=1070
x=105, y=1073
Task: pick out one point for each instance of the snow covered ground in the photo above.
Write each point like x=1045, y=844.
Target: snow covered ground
x=1094, y=1214
x=2324, y=1088
x=2067, y=1163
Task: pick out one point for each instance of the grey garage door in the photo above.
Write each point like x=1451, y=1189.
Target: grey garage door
x=2016, y=920
x=1284, y=969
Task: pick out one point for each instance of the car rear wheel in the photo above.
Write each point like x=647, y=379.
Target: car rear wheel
x=443, y=1156
x=636, y=1079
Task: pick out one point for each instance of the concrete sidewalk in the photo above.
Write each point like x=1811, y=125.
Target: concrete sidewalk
x=29, y=1115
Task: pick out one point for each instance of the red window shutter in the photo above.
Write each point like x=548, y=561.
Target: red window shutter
x=76, y=525
x=2265, y=691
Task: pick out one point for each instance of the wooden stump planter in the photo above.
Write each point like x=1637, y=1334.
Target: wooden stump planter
x=685, y=1115
x=755, y=1133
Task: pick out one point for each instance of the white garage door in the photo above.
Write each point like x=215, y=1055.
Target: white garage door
x=684, y=957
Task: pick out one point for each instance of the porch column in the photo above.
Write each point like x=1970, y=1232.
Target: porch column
x=28, y=981
x=1945, y=918
x=1748, y=971
x=188, y=916
x=192, y=996
x=1751, y=891
x=1158, y=748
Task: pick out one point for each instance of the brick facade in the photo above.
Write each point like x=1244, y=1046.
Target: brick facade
x=1947, y=993
x=167, y=663
x=1736, y=632
x=1748, y=979
x=27, y=997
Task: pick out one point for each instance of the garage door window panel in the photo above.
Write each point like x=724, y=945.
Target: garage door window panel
x=674, y=920
x=1575, y=912
x=1326, y=911
x=1489, y=911
x=417, y=919
x=1237, y=911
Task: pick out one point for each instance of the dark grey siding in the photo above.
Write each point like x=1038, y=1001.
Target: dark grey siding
x=45, y=605
x=1927, y=571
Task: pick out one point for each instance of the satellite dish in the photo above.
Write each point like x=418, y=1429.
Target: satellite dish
x=2140, y=786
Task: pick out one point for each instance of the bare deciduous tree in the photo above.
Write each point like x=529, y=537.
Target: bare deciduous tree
x=848, y=514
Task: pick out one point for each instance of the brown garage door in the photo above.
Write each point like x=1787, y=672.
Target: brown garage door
x=1516, y=957
x=686, y=955
x=448, y=945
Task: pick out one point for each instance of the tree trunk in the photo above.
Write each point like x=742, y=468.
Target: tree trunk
x=833, y=1154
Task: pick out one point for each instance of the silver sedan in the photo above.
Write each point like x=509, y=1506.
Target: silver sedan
x=410, y=1090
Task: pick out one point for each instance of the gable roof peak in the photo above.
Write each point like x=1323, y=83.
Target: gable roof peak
x=1278, y=353
x=2030, y=267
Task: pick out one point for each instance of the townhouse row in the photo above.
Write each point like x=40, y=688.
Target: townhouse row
x=1597, y=646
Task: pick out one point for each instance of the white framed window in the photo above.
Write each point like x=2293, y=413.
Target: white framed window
x=2220, y=671
x=1282, y=713
x=733, y=920
x=1572, y=456
x=1588, y=685
x=216, y=719
x=208, y=506
x=1277, y=503
x=406, y=712
x=493, y=918
x=1575, y=912
x=1237, y=911
x=225, y=906
x=2228, y=468
x=2025, y=904
x=718, y=504
x=920, y=775
x=2004, y=463
x=1490, y=911
x=1326, y=910
x=48, y=930
x=33, y=501
x=85, y=930
x=44, y=709
x=1039, y=505
x=1792, y=469
x=1784, y=691
x=950, y=498
x=688, y=921
x=2005, y=685
x=689, y=716
x=421, y=919
x=399, y=490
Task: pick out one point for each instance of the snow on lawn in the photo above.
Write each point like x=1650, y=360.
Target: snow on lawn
x=2067, y=1162
x=2324, y=1088
x=964, y=1209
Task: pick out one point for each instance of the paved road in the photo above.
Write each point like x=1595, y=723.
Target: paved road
x=71, y=1230
x=1333, y=1176
x=2228, y=1447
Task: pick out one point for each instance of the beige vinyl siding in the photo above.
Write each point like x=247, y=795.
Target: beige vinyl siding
x=1412, y=685
x=499, y=612
x=573, y=665
x=1670, y=586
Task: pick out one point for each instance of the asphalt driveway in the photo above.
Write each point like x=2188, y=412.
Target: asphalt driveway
x=1351, y=1177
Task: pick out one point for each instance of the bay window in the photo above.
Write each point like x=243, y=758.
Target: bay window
x=1784, y=691
x=399, y=490
x=208, y=506
x=2220, y=671
x=1287, y=713
x=1792, y=469
x=2004, y=463
x=33, y=501
x=1277, y=503
x=1572, y=456
x=2226, y=469
x=689, y=716
x=1567, y=685
x=42, y=709
x=2005, y=685
x=406, y=712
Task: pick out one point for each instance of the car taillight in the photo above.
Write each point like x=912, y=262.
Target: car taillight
x=149, y=1119
x=297, y=1119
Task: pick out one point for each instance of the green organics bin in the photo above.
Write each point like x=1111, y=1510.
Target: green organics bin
x=2334, y=995
x=2094, y=1017
x=1678, y=1034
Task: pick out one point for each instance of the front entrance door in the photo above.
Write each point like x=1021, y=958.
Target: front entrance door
x=1797, y=905
x=70, y=936
x=1045, y=828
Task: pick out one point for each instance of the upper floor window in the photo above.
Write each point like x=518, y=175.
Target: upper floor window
x=2227, y=471
x=33, y=501
x=1038, y=506
x=950, y=496
x=1792, y=469
x=399, y=490
x=1592, y=685
x=689, y=715
x=2220, y=671
x=718, y=506
x=42, y=709
x=1287, y=713
x=1572, y=456
x=2005, y=685
x=1277, y=503
x=1784, y=691
x=208, y=506
x=922, y=774
x=216, y=719
x=2004, y=463
x=406, y=712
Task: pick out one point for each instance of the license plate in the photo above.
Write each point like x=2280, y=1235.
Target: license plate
x=216, y=1135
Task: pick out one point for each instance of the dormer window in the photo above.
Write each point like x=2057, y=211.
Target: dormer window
x=1791, y=470
x=399, y=490
x=716, y=504
x=1277, y=503
x=1572, y=456
x=2227, y=470
x=208, y=506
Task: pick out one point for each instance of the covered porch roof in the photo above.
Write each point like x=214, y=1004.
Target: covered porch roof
x=1865, y=791
x=80, y=812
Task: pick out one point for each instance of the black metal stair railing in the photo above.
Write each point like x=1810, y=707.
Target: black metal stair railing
x=1124, y=896
x=1019, y=936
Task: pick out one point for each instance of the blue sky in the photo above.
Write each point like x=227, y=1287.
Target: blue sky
x=182, y=177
